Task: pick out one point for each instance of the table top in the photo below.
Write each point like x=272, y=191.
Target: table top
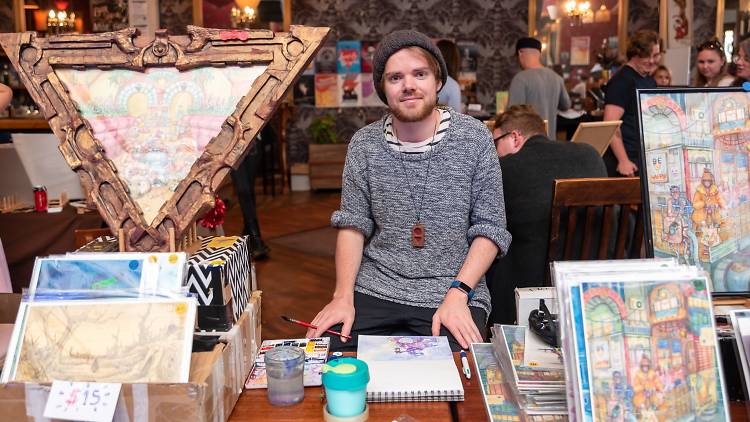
x=253, y=406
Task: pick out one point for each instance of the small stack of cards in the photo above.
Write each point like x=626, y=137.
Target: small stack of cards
x=538, y=385
x=639, y=341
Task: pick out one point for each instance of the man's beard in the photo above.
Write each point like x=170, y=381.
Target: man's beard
x=417, y=115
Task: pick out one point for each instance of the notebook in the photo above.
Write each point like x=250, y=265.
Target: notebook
x=410, y=368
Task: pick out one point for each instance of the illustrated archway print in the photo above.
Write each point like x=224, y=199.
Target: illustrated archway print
x=153, y=126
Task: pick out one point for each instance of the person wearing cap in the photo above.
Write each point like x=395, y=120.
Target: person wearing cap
x=531, y=162
x=537, y=85
x=422, y=212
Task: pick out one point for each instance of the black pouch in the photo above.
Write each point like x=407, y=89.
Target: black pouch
x=544, y=324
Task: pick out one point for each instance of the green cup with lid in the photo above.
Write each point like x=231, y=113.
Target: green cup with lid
x=345, y=381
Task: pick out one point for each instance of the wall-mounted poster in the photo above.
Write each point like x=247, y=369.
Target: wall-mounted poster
x=326, y=90
x=350, y=89
x=579, y=51
x=469, y=52
x=695, y=144
x=304, y=90
x=369, y=96
x=325, y=61
x=679, y=23
x=347, y=56
x=368, y=50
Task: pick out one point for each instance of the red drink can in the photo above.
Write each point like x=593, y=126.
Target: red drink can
x=40, y=198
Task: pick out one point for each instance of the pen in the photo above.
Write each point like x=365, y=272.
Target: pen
x=308, y=325
x=465, y=364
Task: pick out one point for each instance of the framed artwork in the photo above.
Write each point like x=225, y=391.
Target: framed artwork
x=152, y=126
x=596, y=134
x=697, y=182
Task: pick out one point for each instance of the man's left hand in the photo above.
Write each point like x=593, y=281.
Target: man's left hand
x=454, y=314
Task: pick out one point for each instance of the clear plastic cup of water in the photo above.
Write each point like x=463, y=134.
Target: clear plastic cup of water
x=284, y=369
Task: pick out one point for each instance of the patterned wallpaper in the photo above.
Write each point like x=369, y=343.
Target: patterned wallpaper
x=175, y=15
x=109, y=15
x=494, y=25
x=643, y=14
x=7, y=20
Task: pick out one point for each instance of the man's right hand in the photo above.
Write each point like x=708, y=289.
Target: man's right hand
x=626, y=168
x=338, y=310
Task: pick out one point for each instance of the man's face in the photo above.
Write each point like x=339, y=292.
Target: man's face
x=503, y=141
x=646, y=65
x=525, y=55
x=410, y=86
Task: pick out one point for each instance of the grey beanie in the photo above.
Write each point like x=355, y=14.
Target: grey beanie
x=396, y=41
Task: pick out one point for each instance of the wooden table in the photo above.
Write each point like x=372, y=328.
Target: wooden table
x=32, y=234
x=253, y=406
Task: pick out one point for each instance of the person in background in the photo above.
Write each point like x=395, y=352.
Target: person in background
x=422, y=212
x=663, y=76
x=6, y=94
x=530, y=162
x=595, y=92
x=450, y=95
x=711, y=66
x=742, y=63
x=244, y=183
x=621, y=103
x=537, y=85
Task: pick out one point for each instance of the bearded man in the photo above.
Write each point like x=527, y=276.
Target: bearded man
x=422, y=212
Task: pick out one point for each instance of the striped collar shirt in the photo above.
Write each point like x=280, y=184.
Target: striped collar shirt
x=417, y=147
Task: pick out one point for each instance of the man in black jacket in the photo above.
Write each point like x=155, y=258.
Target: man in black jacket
x=530, y=163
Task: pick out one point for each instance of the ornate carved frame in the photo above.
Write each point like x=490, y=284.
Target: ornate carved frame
x=35, y=58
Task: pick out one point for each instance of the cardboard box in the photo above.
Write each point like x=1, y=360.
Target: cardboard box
x=216, y=380
x=527, y=299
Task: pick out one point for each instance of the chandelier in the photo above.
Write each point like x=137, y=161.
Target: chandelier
x=243, y=18
x=60, y=22
x=577, y=10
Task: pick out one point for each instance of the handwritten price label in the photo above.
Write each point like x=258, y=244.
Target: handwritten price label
x=82, y=401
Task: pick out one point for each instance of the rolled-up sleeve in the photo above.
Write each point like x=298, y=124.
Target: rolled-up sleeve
x=487, y=216
x=355, y=211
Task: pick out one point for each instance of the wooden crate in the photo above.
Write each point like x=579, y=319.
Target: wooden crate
x=326, y=165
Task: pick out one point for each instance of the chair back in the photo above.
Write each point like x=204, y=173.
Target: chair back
x=613, y=219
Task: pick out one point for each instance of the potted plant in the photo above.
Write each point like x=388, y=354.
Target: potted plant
x=326, y=154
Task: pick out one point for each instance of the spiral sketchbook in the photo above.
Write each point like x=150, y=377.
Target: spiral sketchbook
x=410, y=368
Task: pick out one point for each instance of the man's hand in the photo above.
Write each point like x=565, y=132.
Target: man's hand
x=337, y=310
x=454, y=314
x=627, y=168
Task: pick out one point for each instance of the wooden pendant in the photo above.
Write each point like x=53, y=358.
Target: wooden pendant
x=417, y=235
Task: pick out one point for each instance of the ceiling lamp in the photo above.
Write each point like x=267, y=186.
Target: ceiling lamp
x=60, y=22
x=243, y=18
x=577, y=10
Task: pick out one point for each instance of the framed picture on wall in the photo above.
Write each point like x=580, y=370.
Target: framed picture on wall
x=696, y=180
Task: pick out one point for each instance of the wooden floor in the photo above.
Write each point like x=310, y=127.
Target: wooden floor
x=294, y=283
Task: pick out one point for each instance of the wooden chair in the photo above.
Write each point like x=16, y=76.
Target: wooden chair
x=601, y=200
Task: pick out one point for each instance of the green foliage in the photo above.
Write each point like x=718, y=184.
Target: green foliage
x=323, y=130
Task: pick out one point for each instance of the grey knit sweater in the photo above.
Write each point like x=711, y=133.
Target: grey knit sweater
x=463, y=199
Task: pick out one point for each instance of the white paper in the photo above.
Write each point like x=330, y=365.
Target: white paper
x=538, y=354
x=82, y=401
x=45, y=164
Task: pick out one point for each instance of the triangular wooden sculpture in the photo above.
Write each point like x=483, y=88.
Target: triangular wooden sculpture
x=152, y=126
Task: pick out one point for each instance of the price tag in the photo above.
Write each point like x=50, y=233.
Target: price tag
x=82, y=401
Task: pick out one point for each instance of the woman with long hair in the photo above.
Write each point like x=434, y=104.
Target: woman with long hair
x=742, y=62
x=711, y=66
